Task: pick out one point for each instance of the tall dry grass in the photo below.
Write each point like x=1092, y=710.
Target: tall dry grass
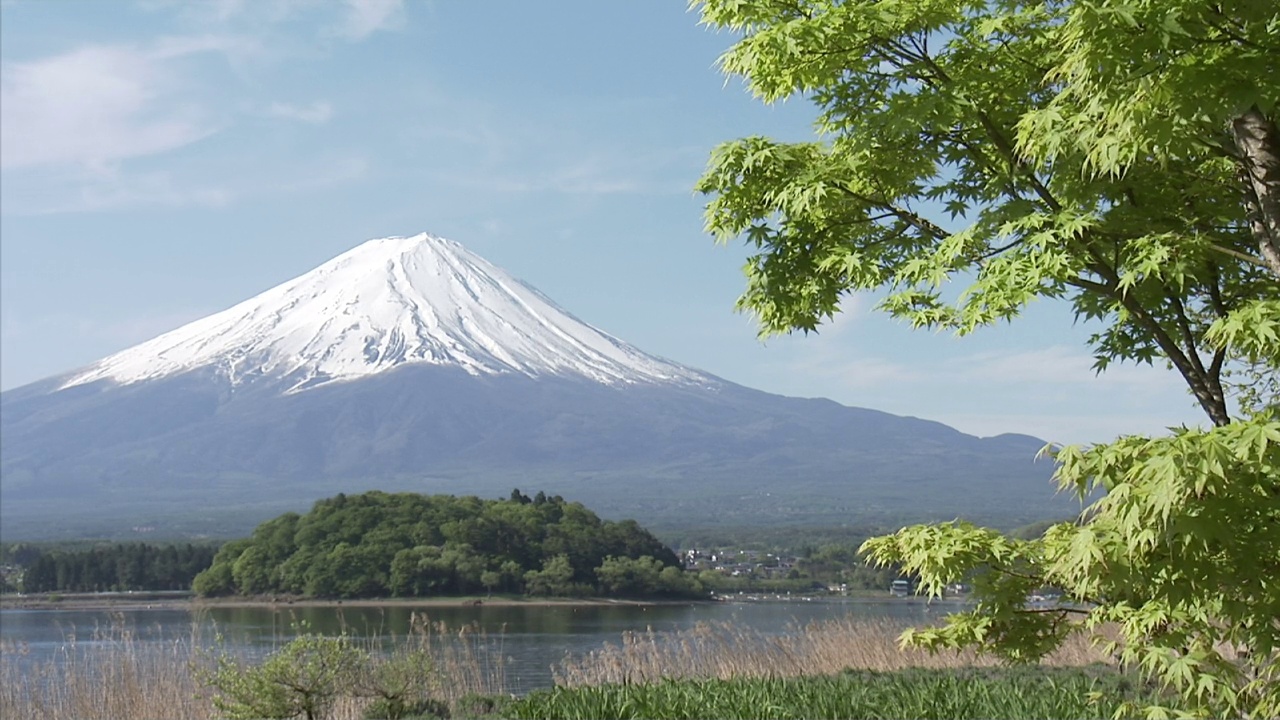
x=723, y=650
x=121, y=675
x=113, y=675
x=466, y=661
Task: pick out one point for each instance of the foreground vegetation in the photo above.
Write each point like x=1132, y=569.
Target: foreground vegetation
x=846, y=668
x=106, y=673
x=1122, y=156
x=381, y=544
x=1009, y=693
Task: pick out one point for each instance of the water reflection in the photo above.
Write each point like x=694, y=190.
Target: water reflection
x=531, y=637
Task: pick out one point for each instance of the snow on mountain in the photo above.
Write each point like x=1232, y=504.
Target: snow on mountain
x=387, y=302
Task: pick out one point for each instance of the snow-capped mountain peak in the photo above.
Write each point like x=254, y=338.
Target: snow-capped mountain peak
x=387, y=302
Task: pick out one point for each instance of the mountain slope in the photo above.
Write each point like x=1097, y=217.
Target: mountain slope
x=411, y=364
x=420, y=299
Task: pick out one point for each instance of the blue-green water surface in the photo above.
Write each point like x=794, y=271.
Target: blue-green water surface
x=530, y=637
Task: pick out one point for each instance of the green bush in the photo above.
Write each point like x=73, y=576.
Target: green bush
x=400, y=709
x=307, y=675
x=403, y=684
x=301, y=679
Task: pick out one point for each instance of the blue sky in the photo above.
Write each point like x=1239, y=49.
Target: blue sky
x=162, y=160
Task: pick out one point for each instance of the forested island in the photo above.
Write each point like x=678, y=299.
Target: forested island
x=380, y=544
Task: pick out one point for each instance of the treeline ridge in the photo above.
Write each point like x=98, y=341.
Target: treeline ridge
x=118, y=567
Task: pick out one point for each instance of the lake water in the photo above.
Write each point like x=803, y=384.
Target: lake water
x=531, y=637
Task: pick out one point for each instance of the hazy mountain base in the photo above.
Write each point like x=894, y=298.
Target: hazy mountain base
x=668, y=505
x=194, y=456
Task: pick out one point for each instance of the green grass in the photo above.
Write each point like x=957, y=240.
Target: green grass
x=1011, y=693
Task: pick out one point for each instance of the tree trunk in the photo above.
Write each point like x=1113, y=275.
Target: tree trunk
x=1258, y=142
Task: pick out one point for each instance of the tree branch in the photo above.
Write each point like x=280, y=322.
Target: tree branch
x=1212, y=403
x=1042, y=611
x=911, y=218
x=1239, y=255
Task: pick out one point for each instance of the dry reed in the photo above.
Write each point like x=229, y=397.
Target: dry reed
x=466, y=661
x=723, y=651
x=115, y=675
x=121, y=675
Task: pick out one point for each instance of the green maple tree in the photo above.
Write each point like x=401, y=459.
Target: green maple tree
x=1118, y=155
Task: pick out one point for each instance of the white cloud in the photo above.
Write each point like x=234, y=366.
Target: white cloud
x=1050, y=392
x=225, y=9
x=1056, y=365
x=92, y=107
x=317, y=113
x=56, y=193
x=240, y=47
x=352, y=20
x=203, y=13
x=860, y=373
x=155, y=188
x=1062, y=428
x=596, y=175
x=838, y=355
x=365, y=17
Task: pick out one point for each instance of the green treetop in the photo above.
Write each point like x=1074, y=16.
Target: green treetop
x=378, y=544
x=1119, y=155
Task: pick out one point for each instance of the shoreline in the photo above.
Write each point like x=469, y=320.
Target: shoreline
x=144, y=600
x=148, y=601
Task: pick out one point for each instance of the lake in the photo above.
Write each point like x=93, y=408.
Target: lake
x=531, y=637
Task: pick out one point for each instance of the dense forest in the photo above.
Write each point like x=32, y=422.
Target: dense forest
x=406, y=545
x=118, y=567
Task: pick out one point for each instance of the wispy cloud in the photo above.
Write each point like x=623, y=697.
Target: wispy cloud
x=837, y=353
x=98, y=191
x=150, y=188
x=78, y=191
x=837, y=356
x=1055, y=365
x=239, y=47
x=1050, y=392
x=547, y=150
x=349, y=20
x=317, y=113
x=601, y=173
x=1059, y=427
x=96, y=128
x=95, y=106
x=366, y=17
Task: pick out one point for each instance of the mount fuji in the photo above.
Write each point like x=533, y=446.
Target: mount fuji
x=389, y=302
x=410, y=363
